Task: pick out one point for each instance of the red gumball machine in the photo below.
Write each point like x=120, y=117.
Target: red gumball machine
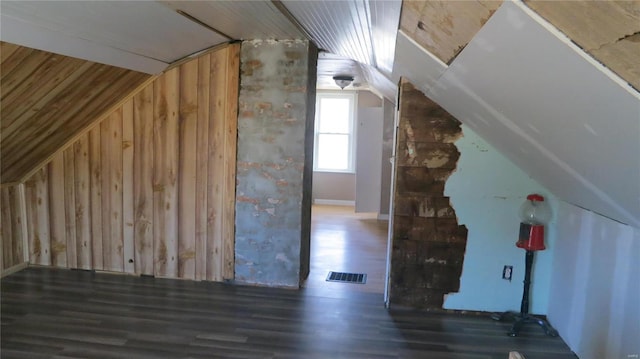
x=534, y=214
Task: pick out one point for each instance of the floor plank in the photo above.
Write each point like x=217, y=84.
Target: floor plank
x=345, y=241
x=57, y=313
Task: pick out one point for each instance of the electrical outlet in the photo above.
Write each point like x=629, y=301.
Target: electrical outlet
x=507, y=272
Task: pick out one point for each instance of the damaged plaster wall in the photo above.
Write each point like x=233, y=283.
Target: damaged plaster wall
x=486, y=191
x=428, y=243
x=456, y=217
x=272, y=161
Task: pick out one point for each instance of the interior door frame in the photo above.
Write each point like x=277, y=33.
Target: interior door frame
x=387, y=278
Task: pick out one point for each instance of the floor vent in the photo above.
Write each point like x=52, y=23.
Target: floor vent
x=358, y=278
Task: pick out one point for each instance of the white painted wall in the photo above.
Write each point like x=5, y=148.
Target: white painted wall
x=369, y=135
x=334, y=186
x=368, y=163
x=486, y=192
x=594, y=299
x=389, y=109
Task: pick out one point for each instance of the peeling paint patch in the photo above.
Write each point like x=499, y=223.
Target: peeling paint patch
x=436, y=159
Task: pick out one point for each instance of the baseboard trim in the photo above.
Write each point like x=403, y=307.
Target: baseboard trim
x=15, y=268
x=334, y=202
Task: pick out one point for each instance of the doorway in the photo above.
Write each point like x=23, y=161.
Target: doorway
x=345, y=241
x=349, y=226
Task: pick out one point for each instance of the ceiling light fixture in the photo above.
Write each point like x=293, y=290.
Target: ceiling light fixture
x=343, y=81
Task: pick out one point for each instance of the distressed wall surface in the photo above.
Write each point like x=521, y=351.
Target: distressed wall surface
x=12, y=234
x=150, y=190
x=607, y=30
x=273, y=160
x=487, y=190
x=444, y=28
x=428, y=244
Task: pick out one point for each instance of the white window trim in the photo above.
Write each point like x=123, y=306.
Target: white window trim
x=352, y=95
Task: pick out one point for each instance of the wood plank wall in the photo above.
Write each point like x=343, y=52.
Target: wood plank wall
x=150, y=190
x=12, y=233
x=47, y=99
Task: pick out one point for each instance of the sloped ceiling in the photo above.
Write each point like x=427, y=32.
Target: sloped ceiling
x=614, y=39
x=241, y=20
x=607, y=30
x=364, y=31
x=47, y=99
x=444, y=28
x=560, y=115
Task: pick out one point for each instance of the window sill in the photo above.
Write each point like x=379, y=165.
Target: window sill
x=335, y=171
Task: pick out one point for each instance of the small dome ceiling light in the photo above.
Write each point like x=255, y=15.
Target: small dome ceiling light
x=343, y=80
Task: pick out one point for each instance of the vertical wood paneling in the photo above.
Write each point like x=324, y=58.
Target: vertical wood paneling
x=216, y=165
x=5, y=231
x=12, y=233
x=153, y=183
x=165, y=201
x=111, y=144
x=19, y=225
x=143, y=180
x=57, y=225
x=95, y=167
x=127, y=187
x=202, y=166
x=229, y=157
x=36, y=198
x=82, y=203
x=3, y=239
x=69, y=207
x=188, y=117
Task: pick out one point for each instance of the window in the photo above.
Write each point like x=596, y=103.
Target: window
x=334, y=132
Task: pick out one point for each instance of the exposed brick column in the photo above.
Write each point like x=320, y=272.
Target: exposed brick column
x=428, y=243
x=275, y=137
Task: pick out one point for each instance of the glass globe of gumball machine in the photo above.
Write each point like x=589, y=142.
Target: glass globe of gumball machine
x=534, y=213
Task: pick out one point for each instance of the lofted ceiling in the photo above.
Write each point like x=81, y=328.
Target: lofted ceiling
x=612, y=33
x=556, y=112
x=444, y=28
x=47, y=99
x=551, y=98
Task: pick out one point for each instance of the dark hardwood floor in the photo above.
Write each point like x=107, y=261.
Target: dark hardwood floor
x=55, y=313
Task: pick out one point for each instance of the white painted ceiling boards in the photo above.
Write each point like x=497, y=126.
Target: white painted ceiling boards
x=363, y=30
x=557, y=113
x=143, y=32
x=242, y=20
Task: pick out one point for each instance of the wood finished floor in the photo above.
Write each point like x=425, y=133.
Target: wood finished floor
x=57, y=313
x=345, y=241
x=52, y=313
